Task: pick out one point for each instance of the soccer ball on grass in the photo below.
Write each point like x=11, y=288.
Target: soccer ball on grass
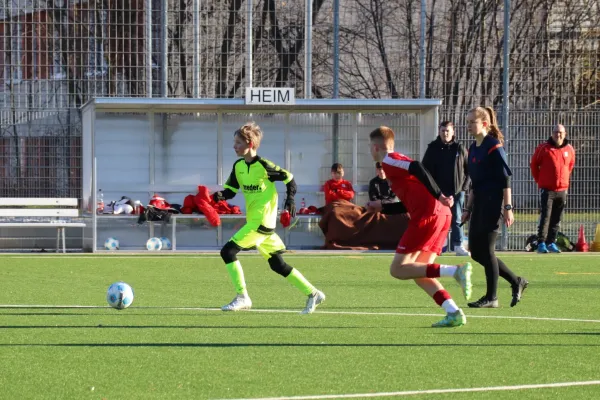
x=119, y=295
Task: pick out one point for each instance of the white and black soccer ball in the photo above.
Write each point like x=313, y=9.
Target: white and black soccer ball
x=166, y=243
x=111, y=244
x=119, y=295
x=154, y=244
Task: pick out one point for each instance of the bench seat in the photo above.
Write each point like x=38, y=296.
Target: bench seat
x=41, y=207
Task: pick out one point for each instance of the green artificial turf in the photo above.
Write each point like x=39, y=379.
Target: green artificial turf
x=372, y=334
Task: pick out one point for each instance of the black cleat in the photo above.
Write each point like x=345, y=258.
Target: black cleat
x=484, y=302
x=517, y=291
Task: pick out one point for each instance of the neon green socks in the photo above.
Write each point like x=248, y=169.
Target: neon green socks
x=295, y=278
x=298, y=280
x=237, y=276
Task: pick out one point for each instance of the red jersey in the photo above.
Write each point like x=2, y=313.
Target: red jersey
x=411, y=192
x=338, y=190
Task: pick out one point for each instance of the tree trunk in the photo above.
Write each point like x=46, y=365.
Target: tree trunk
x=429, y=70
x=228, y=32
x=287, y=55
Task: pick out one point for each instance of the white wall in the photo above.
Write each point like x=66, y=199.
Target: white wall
x=187, y=151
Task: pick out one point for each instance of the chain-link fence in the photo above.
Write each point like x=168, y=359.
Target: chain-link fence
x=57, y=54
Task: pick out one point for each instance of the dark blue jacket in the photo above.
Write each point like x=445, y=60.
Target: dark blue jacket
x=488, y=166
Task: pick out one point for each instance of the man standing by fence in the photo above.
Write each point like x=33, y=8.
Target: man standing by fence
x=446, y=160
x=551, y=167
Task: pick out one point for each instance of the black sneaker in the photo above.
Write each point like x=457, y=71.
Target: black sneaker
x=484, y=302
x=517, y=291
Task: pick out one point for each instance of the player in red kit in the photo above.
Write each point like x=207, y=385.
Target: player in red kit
x=427, y=230
x=337, y=188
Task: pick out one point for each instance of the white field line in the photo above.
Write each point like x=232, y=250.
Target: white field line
x=325, y=312
x=431, y=391
x=577, y=273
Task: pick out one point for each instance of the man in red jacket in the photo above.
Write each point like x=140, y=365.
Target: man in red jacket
x=337, y=188
x=551, y=167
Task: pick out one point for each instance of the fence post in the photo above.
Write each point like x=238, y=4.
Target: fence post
x=149, y=79
x=422, y=49
x=336, y=77
x=196, y=66
x=505, y=89
x=164, y=71
x=249, y=43
x=308, y=50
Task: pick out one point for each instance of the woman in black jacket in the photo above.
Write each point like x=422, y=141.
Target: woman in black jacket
x=490, y=188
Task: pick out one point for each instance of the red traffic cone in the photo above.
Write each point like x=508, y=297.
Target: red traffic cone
x=581, y=243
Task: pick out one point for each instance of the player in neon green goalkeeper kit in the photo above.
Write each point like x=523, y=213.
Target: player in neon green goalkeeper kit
x=256, y=178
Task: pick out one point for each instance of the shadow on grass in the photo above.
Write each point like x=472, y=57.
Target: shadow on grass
x=49, y=314
x=311, y=327
x=343, y=345
x=111, y=313
x=521, y=334
x=353, y=308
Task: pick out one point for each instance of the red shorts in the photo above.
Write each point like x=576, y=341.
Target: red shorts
x=427, y=234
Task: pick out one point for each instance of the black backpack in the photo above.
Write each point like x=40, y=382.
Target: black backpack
x=152, y=213
x=562, y=241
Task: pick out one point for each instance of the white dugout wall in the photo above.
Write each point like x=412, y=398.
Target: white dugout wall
x=138, y=147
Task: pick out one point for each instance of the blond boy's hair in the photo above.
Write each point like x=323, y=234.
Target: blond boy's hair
x=251, y=133
x=384, y=134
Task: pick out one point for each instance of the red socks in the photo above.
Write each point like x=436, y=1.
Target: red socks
x=433, y=270
x=441, y=296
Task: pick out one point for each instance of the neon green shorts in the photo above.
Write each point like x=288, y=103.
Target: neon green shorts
x=248, y=237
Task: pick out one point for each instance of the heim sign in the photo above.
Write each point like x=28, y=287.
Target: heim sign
x=270, y=96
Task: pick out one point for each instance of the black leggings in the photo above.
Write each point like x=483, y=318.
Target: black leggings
x=482, y=247
x=483, y=232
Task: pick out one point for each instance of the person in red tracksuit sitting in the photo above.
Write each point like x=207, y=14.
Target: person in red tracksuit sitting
x=551, y=167
x=337, y=188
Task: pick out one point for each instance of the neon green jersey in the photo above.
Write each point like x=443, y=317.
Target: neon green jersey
x=257, y=182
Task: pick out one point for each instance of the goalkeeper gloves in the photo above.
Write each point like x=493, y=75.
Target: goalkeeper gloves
x=290, y=206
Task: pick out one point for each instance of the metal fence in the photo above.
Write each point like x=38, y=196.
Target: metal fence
x=536, y=62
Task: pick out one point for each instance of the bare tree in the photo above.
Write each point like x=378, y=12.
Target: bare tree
x=226, y=47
